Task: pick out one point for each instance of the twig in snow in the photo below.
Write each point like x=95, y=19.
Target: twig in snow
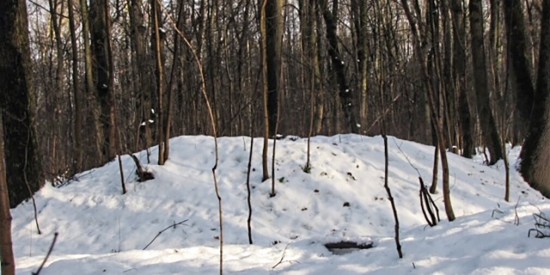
x=407, y=158
x=282, y=257
x=47, y=255
x=542, y=226
x=162, y=231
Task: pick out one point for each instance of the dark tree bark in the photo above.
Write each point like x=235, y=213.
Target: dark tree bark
x=102, y=77
x=459, y=78
x=487, y=120
x=142, y=75
x=89, y=99
x=518, y=45
x=23, y=166
x=274, y=36
x=360, y=14
x=345, y=92
x=7, y=259
x=536, y=149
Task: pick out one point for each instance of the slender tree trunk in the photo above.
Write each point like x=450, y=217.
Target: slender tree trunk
x=437, y=120
x=158, y=48
x=77, y=124
x=265, y=91
x=316, y=50
x=487, y=120
x=311, y=77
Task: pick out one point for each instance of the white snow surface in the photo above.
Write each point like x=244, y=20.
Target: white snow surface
x=102, y=231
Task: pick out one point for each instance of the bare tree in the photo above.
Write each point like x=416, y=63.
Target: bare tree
x=459, y=78
x=435, y=116
x=103, y=77
x=271, y=28
x=360, y=15
x=157, y=45
x=488, y=127
x=345, y=92
x=77, y=121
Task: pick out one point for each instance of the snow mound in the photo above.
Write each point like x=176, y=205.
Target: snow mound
x=342, y=198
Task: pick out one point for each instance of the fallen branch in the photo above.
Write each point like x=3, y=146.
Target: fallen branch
x=542, y=226
x=282, y=258
x=162, y=231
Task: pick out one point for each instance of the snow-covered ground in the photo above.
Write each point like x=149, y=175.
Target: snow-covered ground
x=102, y=231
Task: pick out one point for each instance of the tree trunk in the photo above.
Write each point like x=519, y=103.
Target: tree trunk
x=316, y=52
x=158, y=50
x=536, y=149
x=92, y=116
x=142, y=75
x=360, y=8
x=345, y=92
x=77, y=124
x=265, y=89
x=436, y=119
x=487, y=120
x=459, y=78
x=7, y=260
x=102, y=76
x=274, y=35
x=23, y=166
x=518, y=45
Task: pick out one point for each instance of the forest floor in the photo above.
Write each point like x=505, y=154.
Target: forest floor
x=342, y=198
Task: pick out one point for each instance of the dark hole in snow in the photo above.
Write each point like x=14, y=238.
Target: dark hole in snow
x=346, y=204
x=345, y=247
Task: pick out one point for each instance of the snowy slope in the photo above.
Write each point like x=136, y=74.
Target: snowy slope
x=104, y=232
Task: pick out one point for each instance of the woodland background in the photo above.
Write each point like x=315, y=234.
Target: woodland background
x=114, y=77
